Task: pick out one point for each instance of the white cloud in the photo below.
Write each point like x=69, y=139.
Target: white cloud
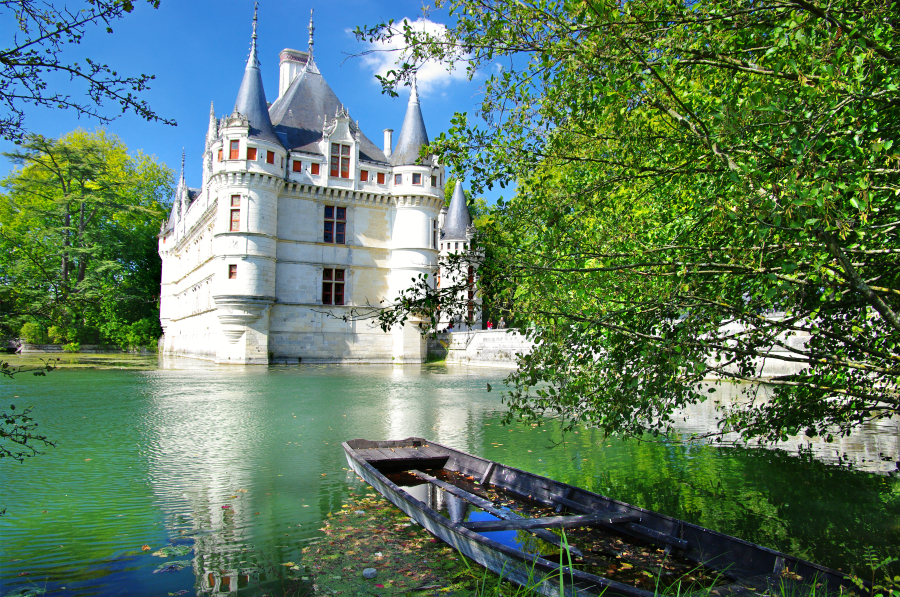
x=430, y=76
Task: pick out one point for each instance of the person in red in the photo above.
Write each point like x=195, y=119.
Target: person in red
x=490, y=325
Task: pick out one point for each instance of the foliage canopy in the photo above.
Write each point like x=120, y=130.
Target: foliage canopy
x=702, y=187
x=78, y=225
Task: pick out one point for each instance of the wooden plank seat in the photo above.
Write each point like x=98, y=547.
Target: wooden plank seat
x=488, y=507
x=427, y=457
x=549, y=522
x=634, y=527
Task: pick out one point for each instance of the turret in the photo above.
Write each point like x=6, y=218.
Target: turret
x=458, y=223
x=213, y=130
x=456, y=237
x=246, y=219
x=413, y=136
x=251, y=100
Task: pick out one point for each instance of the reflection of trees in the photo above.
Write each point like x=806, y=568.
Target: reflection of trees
x=790, y=503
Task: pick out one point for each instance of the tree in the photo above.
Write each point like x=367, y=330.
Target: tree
x=36, y=54
x=78, y=229
x=684, y=171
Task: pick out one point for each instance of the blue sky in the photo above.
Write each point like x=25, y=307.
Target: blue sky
x=198, y=49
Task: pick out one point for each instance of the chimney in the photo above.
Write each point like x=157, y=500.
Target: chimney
x=290, y=65
x=388, y=141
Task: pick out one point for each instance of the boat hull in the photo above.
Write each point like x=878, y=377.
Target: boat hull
x=751, y=567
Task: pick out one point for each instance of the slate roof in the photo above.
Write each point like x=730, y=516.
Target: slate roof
x=458, y=216
x=251, y=98
x=413, y=135
x=299, y=116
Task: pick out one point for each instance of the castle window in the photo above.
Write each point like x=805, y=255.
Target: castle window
x=364, y=175
x=335, y=224
x=234, y=150
x=434, y=234
x=332, y=286
x=220, y=154
x=398, y=179
x=297, y=166
x=340, y=160
x=270, y=157
x=251, y=154
x=456, y=248
x=417, y=179
x=232, y=271
x=314, y=168
x=434, y=181
x=381, y=178
x=235, y=213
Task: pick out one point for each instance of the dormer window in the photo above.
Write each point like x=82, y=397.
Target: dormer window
x=234, y=150
x=340, y=160
x=417, y=179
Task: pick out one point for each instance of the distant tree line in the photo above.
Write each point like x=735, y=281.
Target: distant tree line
x=79, y=219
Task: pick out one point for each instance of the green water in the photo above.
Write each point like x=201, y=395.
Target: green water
x=241, y=465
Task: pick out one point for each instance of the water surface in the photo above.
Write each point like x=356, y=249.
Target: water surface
x=240, y=465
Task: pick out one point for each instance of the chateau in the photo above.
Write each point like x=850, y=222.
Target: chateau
x=299, y=219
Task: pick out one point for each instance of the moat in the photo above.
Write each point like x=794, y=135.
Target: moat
x=238, y=467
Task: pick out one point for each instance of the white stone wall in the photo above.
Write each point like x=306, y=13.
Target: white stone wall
x=273, y=309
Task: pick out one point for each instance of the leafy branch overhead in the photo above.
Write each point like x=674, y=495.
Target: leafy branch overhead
x=19, y=437
x=34, y=66
x=702, y=189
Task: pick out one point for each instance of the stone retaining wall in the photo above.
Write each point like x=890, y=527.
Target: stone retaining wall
x=488, y=348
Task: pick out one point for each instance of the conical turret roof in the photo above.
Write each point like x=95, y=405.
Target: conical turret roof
x=251, y=98
x=458, y=217
x=412, y=135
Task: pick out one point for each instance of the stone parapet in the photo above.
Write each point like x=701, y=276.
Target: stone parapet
x=488, y=348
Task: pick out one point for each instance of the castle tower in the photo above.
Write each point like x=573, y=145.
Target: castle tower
x=248, y=176
x=414, y=235
x=456, y=239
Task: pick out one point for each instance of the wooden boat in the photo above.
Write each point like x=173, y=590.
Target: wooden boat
x=608, y=547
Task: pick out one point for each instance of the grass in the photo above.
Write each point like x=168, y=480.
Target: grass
x=412, y=562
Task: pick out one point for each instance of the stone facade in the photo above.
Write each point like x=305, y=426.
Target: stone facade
x=299, y=220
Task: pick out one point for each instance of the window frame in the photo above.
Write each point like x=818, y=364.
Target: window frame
x=251, y=154
x=234, y=224
x=234, y=149
x=334, y=285
x=419, y=176
x=270, y=157
x=334, y=224
x=380, y=178
x=314, y=168
x=364, y=176
x=232, y=271
x=296, y=166
x=398, y=179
